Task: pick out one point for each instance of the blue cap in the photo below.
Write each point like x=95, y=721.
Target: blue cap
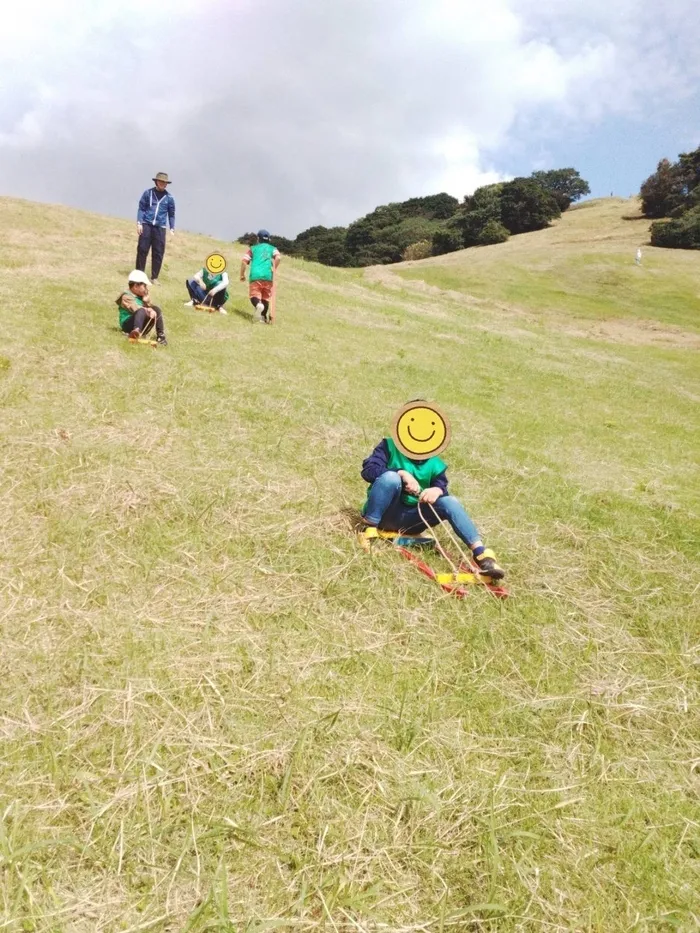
x=263, y=234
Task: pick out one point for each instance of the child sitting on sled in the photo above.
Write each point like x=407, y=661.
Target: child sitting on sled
x=136, y=313
x=408, y=485
x=209, y=286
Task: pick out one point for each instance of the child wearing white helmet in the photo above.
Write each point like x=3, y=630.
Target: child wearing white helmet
x=136, y=313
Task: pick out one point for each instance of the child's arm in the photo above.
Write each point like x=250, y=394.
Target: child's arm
x=221, y=286
x=439, y=488
x=245, y=261
x=128, y=303
x=376, y=464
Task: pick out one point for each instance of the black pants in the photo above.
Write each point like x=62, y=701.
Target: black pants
x=138, y=320
x=152, y=238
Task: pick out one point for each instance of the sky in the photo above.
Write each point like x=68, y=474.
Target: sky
x=281, y=114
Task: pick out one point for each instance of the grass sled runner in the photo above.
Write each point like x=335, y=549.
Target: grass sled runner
x=464, y=573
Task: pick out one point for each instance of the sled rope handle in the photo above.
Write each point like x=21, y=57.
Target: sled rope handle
x=455, y=540
x=451, y=534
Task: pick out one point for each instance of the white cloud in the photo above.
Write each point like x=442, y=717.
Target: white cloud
x=290, y=114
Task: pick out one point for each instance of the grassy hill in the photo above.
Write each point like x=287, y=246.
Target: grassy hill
x=219, y=714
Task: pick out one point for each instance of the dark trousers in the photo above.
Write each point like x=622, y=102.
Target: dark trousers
x=152, y=238
x=199, y=296
x=137, y=321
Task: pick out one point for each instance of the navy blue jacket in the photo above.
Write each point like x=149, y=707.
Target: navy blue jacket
x=378, y=463
x=156, y=208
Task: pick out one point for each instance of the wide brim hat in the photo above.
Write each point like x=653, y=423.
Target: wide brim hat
x=162, y=176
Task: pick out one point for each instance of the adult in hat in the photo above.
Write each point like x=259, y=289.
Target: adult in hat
x=156, y=212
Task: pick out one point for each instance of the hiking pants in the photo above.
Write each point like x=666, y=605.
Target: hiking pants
x=152, y=238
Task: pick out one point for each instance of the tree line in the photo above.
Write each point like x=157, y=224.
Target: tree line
x=671, y=196
x=440, y=223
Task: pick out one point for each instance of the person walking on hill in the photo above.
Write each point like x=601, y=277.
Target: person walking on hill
x=156, y=211
x=263, y=259
x=136, y=313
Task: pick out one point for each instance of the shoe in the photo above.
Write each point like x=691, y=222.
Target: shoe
x=486, y=561
x=188, y=304
x=155, y=282
x=223, y=311
x=135, y=334
x=161, y=341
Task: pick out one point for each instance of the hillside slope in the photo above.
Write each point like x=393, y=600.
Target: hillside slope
x=219, y=714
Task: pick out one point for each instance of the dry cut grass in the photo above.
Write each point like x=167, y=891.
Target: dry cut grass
x=219, y=714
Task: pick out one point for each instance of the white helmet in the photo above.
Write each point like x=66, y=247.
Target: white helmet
x=139, y=277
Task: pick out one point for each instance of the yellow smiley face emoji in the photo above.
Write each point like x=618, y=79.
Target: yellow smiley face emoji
x=215, y=264
x=420, y=430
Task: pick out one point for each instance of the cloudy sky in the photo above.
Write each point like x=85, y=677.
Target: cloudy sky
x=289, y=113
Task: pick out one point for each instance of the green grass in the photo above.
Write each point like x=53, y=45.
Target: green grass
x=219, y=714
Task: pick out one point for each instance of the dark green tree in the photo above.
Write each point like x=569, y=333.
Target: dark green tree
x=682, y=233
x=525, y=206
x=447, y=239
x=478, y=210
x=433, y=206
x=492, y=232
x=565, y=184
x=309, y=243
x=664, y=191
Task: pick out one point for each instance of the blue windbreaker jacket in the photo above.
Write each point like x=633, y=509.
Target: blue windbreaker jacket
x=155, y=210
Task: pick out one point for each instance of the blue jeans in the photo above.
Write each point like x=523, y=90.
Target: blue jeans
x=197, y=294
x=385, y=509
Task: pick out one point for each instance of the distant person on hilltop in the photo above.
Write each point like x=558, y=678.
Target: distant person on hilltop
x=156, y=211
x=263, y=259
x=209, y=286
x=136, y=313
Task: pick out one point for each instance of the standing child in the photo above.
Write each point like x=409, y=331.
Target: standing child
x=408, y=482
x=135, y=309
x=263, y=259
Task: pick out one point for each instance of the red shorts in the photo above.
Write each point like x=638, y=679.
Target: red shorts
x=261, y=289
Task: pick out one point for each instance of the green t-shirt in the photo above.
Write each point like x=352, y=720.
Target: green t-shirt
x=424, y=471
x=211, y=281
x=124, y=313
x=261, y=262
